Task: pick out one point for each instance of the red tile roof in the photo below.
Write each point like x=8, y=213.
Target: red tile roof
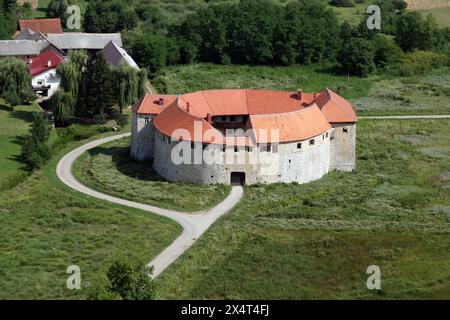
x=335, y=108
x=150, y=103
x=296, y=117
x=46, y=61
x=44, y=26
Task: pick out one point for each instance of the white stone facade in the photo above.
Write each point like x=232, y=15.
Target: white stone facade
x=299, y=161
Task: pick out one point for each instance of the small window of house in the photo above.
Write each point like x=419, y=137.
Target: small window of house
x=248, y=149
x=147, y=120
x=192, y=145
x=345, y=130
x=232, y=118
x=326, y=134
x=312, y=142
x=224, y=118
x=224, y=148
x=299, y=145
x=236, y=149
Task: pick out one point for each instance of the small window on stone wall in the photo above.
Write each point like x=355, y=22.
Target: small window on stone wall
x=236, y=149
x=192, y=145
x=299, y=145
x=345, y=130
x=147, y=120
x=312, y=142
x=232, y=118
x=326, y=134
x=224, y=148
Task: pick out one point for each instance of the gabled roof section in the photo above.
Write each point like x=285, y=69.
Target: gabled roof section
x=114, y=55
x=44, y=62
x=22, y=47
x=87, y=41
x=44, y=26
x=335, y=108
x=150, y=103
x=292, y=126
x=269, y=101
x=175, y=120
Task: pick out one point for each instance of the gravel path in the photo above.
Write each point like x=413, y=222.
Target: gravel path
x=194, y=225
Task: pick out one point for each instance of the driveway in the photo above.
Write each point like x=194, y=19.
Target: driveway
x=193, y=225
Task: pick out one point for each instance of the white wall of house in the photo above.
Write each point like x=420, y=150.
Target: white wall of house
x=47, y=78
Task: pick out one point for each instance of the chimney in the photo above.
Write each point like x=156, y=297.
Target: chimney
x=161, y=101
x=188, y=107
x=300, y=94
x=209, y=118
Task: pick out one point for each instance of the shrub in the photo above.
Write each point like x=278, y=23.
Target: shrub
x=11, y=98
x=342, y=3
x=130, y=281
x=418, y=62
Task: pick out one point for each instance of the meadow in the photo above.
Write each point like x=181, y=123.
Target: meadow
x=375, y=95
x=13, y=124
x=45, y=227
x=315, y=241
x=110, y=169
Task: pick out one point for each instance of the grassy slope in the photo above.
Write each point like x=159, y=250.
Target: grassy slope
x=187, y=78
x=110, y=169
x=426, y=94
x=45, y=227
x=12, y=125
x=316, y=240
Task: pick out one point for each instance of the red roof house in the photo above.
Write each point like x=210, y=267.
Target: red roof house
x=44, y=26
x=46, y=61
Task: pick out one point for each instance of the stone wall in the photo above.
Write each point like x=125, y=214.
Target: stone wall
x=142, y=136
x=343, y=144
x=292, y=162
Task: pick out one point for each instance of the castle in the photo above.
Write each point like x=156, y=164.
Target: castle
x=300, y=136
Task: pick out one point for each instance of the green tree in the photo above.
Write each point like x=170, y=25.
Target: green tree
x=130, y=281
x=150, y=51
x=126, y=80
x=35, y=151
x=62, y=104
x=58, y=9
x=96, y=95
x=357, y=57
x=14, y=78
x=413, y=32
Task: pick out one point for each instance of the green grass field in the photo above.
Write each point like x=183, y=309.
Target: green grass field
x=109, y=168
x=187, y=78
x=376, y=95
x=12, y=126
x=45, y=227
x=315, y=241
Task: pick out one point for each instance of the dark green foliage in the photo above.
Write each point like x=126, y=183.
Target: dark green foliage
x=131, y=281
x=357, y=57
x=150, y=51
x=414, y=32
x=8, y=18
x=386, y=51
x=35, y=150
x=58, y=9
x=418, y=62
x=96, y=95
x=14, y=78
x=109, y=16
x=342, y=3
x=11, y=98
x=122, y=120
x=62, y=104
